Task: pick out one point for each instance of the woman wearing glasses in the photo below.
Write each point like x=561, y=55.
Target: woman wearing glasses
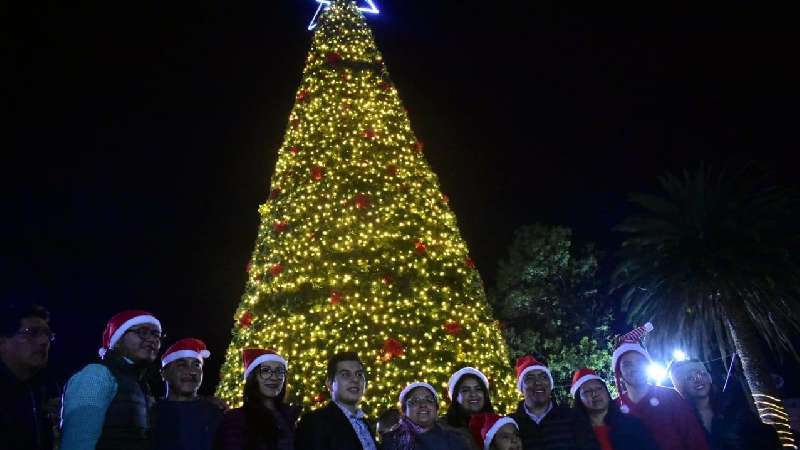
x=418, y=429
x=613, y=430
x=265, y=422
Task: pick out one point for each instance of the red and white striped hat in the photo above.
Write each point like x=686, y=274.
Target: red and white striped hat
x=527, y=364
x=185, y=348
x=582, y=376
x=485, y=425
x=253, y=357
x=629, y=342
x=451, y=385
x=121, y=323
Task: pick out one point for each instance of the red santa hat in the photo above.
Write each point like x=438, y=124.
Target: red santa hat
x=451, y=385
x=527, y=364
x=582, y=376
x=629, y=342
x=118, y=325
x=253, y=357
x=485, y=425
x=185, y=348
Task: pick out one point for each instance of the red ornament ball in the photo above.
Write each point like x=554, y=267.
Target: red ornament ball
x=317, y=173
x=246, y=320
x=276, y=269
x=319, y=398
x=280, y=227
x=295, y=123
x=445, y=198
x=420, y=247
x=391, y=169
x=452, y=328
x=302, y=96
x=387, y=279
x=274, y=193
x=469, y=262
x=419, y=146
x=332, y=57
x=393, y=348
x=336, y=297
x=369, y=133
x=361, y=201
x=294, y=149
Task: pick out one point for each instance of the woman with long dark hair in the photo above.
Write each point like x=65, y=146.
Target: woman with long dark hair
x=468, y=390
x=612, y=429
x=265, y=422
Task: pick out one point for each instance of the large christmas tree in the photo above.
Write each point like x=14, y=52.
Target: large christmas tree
x=357, y=248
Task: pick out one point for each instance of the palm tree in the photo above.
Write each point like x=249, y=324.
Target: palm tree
x=713, y=260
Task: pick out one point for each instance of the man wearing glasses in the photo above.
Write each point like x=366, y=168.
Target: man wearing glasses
x=29, y=401
x=107, y=404
x=340, y=425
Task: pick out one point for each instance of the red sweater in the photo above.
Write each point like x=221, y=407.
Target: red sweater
x=603, y=435
x=668, y=418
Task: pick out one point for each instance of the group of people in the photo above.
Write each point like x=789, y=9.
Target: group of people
x=107, y=405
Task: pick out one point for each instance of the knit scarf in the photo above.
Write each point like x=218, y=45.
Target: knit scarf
x=407, y=432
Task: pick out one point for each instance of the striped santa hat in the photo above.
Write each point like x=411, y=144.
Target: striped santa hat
x=629, y=342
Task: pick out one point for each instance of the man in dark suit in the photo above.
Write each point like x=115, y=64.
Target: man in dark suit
x=340, y=425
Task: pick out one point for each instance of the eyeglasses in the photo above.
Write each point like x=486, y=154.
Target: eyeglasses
x=590, y=393
x=267, y=372
x=33, y=333
x=148, y=333
x=419, y=401
x=700, y=375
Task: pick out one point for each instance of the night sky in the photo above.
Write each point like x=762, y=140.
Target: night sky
x=144, y=136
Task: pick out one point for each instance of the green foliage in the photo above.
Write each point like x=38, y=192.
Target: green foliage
x=549, y=300
x=711, y=244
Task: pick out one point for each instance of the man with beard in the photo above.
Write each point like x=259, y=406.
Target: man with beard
x=30, y=403
x=544, y=425
x=107, y=404
x=666, y=415
x=182, y=420
x=340, y=425
x=729, y=423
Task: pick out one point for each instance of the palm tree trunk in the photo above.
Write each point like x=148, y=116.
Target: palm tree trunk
x=756, y=371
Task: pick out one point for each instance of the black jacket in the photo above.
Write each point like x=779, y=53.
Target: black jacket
x=127, y=421
x=326, y=429
x=628, y=432
x=736, y=427
x=561, y=429
x=23, y=424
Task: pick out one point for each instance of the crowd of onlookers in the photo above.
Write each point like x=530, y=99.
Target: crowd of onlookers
x=108, y=404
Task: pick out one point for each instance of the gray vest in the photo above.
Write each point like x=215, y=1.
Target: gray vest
x=127, y=422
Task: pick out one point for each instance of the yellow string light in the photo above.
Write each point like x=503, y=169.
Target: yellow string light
x=356, y=209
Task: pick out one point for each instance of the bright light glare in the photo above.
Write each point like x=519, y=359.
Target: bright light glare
x=324, y=4
x=679, y=355
x=656, y=372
